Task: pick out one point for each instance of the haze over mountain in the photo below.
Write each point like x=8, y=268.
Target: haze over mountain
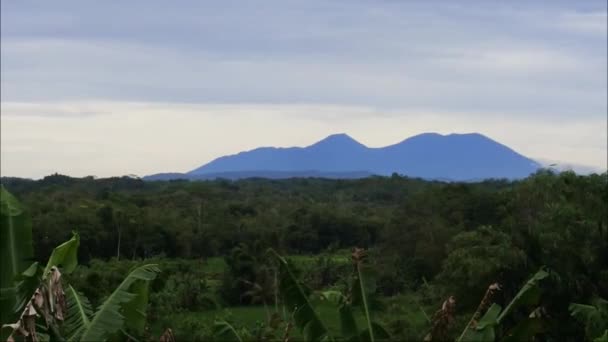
x=429, y=155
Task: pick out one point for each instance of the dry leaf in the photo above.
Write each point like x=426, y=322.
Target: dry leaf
x=167, y=336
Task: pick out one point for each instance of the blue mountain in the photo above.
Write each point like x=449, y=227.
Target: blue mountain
x=336, y=153
x=458, y=157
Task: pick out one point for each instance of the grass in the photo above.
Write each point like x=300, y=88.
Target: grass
x=214, y=265
x=412, y=324
x=252, y=316
x=339, y=257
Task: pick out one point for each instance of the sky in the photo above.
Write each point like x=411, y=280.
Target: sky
x=140, y=87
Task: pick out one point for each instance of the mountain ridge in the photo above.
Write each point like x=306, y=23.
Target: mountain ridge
x=456, y=156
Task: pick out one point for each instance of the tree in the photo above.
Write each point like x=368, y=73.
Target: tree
x=480, y=257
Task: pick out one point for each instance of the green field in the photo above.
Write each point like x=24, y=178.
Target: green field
x=251, y=316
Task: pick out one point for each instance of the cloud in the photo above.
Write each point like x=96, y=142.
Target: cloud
x=519, y=79
x=96, y=89
x=560, y=165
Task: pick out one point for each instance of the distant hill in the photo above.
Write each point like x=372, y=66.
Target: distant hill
x=458, y=157
x=258, y=174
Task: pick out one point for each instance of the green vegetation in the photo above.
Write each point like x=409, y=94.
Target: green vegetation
x=39, y=294
x=475, y=247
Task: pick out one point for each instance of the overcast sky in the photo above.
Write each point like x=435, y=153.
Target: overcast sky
x=140, y=87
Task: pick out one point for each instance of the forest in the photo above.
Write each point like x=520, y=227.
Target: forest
x=305, y=259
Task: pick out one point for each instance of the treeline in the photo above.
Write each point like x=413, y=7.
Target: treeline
x=130, y=218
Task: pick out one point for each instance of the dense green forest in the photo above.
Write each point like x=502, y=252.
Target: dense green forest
x=230, y=260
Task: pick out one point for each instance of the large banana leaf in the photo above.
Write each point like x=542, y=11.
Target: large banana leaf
x=109, y=317
x=79, y=313
x=348, y=323
x=484, y=330
x=528, y=295
x=65, y=255
x=15, y=252
x=27, y=283
x=135, y=312
x=305, y=317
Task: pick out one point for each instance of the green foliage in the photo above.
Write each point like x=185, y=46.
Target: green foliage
x=183, y=291
x=135, y=312
x=359, y=295
x=486, y=328
x=108, y=318
x=64, y=255
x=594, y=318
x=224, y=331
x=191, y=328
x=325, y=270
x=603, y=338
x=239, y=275
x=348, y=324
x=15, y=251
x=80, y=315
x=428, y=240
x=363, y=288
x=478, y=258
x=124, y=309
x=528, y=295
x=30, y=279
x=304, y=315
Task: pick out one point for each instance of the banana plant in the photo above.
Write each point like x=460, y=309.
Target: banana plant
x=68, y=314
x=123, y=310
x=361, y=296
x=37, y=293
x=594, y=317
x=304, y=315
x=485, y=328
x=305, y=318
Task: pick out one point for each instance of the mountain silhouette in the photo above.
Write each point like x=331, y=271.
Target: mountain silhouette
x=458, y=157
